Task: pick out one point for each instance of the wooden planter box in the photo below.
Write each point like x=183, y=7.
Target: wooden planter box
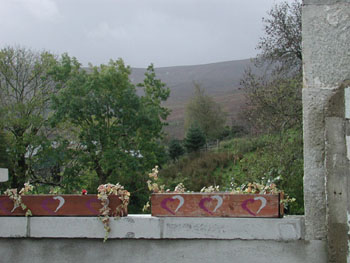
x=216, y=205
x=58, y=205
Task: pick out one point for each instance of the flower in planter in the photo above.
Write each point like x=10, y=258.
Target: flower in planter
x=84, y=192
x=210, y=189
x=17, y=197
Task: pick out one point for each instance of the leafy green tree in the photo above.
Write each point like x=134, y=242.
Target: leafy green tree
x=25, y=90
x=206, y=113
x=116, y=131
x=175, y=149
x=195, y=139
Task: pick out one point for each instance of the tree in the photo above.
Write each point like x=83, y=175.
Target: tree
x=25, y=90
x=274, y=99
x=273, y=105
x=175, y=149
x=281, y=45
x=203, y=111
x=117, y=132
x=195, y=139
x=3, y=151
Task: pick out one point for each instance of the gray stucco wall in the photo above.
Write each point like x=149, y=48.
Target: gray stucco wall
x=146, y=239
x=326, y=61
x=159, y=251
x=326, y=65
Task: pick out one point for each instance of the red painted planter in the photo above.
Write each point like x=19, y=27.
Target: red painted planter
x=58, y=205
x=216, y=205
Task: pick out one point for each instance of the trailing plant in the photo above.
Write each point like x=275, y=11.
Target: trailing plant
x=104, y=191
x=17, y=197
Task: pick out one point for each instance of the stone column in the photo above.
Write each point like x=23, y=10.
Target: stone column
x=326, y=65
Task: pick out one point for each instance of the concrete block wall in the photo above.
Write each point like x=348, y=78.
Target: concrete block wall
x=326, y=65
x=143, y=238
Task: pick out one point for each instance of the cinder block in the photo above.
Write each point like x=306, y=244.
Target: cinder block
x=13, y=227
x=137, y=226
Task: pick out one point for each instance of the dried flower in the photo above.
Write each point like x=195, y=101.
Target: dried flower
x=210, y=189
x=17, y=198
x=103, y=192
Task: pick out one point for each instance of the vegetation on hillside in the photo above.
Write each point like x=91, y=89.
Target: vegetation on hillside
x=274, y=149
x=205, y=113
x=65, y=128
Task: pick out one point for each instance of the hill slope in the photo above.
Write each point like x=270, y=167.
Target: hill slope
x=220, y=80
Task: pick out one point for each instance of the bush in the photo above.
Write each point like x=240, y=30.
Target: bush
x=196, y=171
x=175, y=149
x=276, y=157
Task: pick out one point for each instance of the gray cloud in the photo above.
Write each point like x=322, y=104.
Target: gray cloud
x=164, y=32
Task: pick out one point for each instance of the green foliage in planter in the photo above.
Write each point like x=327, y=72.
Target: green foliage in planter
x=197, y=171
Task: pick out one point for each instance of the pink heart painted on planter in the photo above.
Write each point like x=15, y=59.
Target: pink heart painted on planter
x=163, y=204
x=171, y=199
x=52, y=200
x=202, y=206
x=244, y=206
x=89, y=202
x=259, y=198
x=218, y=199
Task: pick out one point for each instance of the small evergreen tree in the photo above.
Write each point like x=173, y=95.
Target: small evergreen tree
x=195, y=139
x=175, y=149
x=3, y=152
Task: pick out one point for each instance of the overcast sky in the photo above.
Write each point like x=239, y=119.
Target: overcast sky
x=163, y=32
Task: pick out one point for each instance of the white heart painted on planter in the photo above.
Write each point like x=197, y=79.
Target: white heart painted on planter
x=263, y=202
x=61, y=202
x=181, y=199
x=219, y=204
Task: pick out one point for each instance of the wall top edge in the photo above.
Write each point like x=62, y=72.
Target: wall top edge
x=148, y=227
x=324, y=2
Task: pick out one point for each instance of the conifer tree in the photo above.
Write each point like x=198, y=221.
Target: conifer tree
x=195, y=139
x=175, y=149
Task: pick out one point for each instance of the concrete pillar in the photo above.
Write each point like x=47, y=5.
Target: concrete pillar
x=326, y=65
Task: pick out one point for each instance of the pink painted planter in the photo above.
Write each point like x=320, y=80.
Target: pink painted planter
x=216, y=205
x=58, y=205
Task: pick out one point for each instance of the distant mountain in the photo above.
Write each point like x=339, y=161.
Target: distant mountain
x=220, y=80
